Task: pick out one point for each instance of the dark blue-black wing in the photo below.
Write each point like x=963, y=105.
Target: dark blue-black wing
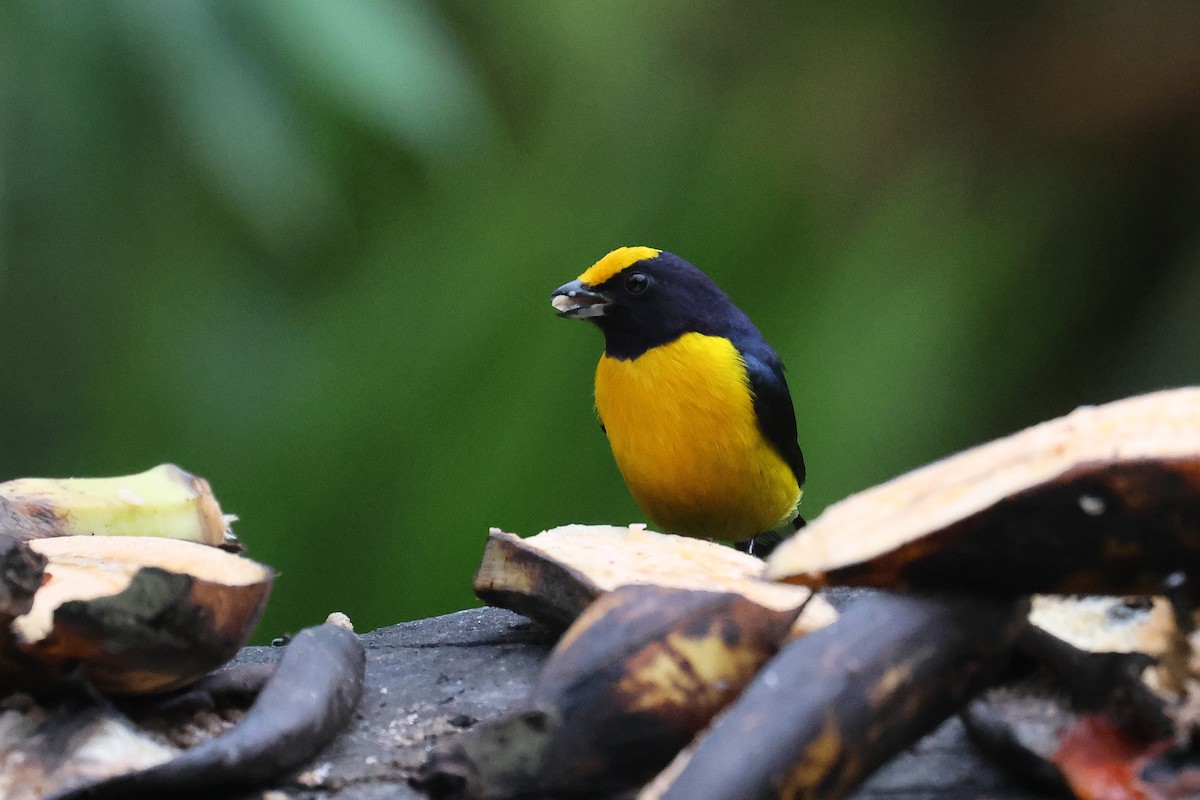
x=773, y=407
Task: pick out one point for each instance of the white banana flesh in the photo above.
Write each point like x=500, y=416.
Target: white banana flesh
x=165, y=501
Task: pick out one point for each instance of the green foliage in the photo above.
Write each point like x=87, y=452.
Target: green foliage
x=305, y=248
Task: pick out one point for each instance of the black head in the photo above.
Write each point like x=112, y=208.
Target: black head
x=641, y=298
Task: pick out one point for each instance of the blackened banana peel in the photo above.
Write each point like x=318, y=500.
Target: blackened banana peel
x=309, y=699
x=1105, y=500
x=638, y=675
x=833, y=706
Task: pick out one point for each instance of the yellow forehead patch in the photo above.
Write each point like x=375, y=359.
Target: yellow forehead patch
x=614, y=262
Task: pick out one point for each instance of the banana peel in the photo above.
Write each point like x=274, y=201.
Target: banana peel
x=21, y=572
x=164, y=747
x=1143, y=628
x=833, y=706
x=629, y=684
x=1112, y=707
x=165, y=501
x=553, y=576
x=131, y=615
x=1102, y=501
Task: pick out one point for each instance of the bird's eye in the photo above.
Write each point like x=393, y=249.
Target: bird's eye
x=637, y=282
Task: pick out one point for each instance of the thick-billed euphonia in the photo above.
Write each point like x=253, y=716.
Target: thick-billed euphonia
x=692, y=398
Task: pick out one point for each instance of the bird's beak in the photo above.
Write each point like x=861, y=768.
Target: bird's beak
x=576, y=300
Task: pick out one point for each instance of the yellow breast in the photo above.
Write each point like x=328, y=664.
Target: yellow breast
x=680, y=419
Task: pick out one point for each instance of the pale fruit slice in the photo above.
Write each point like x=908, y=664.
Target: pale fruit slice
x=1102, y=501
x=556, y=574
x=136, y=614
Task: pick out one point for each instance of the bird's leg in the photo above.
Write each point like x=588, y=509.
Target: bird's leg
x=760, y=546
x=765, y=543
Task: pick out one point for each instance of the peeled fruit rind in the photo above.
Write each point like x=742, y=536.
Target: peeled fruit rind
x=138, y=614
x=556, y=574
x=1105, y=500
x=164, y=501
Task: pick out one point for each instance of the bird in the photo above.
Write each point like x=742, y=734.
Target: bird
x=692, y=398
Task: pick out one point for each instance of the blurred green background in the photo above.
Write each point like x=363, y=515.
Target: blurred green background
x=304, y=248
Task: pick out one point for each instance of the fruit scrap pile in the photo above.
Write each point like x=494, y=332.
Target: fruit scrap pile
x=119, y=597
x=1045, y=584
